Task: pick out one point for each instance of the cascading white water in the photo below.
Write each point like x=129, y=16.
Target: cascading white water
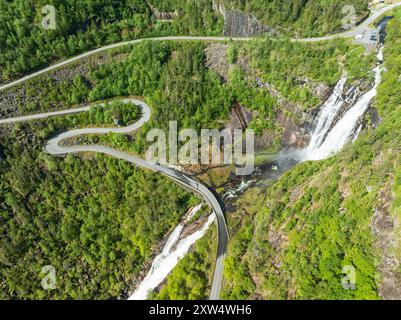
x=173, y=251
x=326, y=138
x=326, y=116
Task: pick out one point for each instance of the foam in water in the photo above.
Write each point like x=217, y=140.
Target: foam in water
x=326, y=117
x=327, y=139
x=165, y=262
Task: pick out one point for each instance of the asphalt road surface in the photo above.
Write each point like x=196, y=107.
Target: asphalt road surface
x=358, y=30
x=112, y=46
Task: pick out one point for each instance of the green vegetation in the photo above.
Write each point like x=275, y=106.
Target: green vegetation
x=191, y=278
x=83, y=25
x=159, y=72
x=294, y=69
x=109, y=114
x=96, y=221
x=302, y=17
x=316, y=219
x=238, y=283
x=120, y=112
x=191, y=17
x=80, y=201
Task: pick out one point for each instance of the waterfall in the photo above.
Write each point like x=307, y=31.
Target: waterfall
x=329, y=136
x=173, y=251
x=327, y=116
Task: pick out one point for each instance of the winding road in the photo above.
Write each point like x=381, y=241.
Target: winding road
x=113, y=46
x=53, y=146
x=351, y=33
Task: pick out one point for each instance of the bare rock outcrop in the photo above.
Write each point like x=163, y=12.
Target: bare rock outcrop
x=384, y=226
x=319, y=89
x=294, y=135
x=240, y=117
x=216, y=59
x=238, y=24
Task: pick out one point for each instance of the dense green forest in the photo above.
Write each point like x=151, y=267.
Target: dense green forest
x=35, y=180
x=83, y=25
x=98, y=220
x=317, y=218
x=109, y=114
x=300, y=17
x=95, y=220
x=112, y=113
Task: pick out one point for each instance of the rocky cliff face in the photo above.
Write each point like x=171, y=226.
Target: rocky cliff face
x=240, y=117
x=296, y=123
x=160, y=15
x=295, y=135
x=238, y=24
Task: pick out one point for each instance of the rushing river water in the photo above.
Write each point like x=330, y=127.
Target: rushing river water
x=174, y=250
x=329, y=137
x=338, y=122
